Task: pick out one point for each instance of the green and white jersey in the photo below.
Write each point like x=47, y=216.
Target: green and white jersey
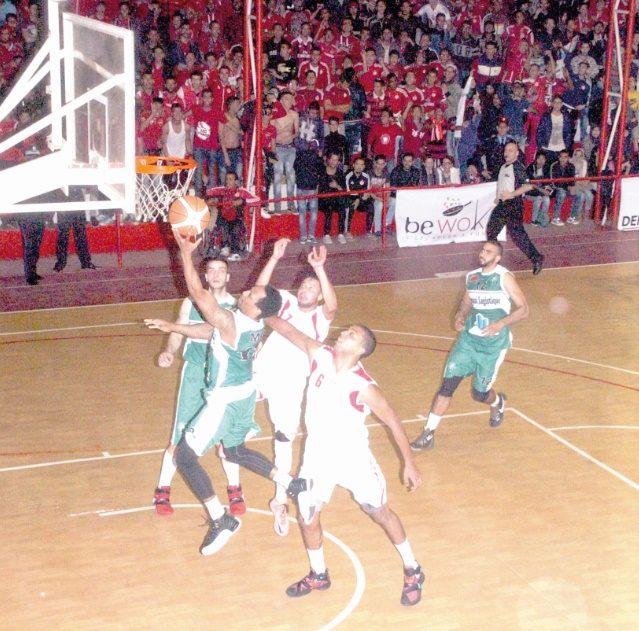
x=491, y=302
x=195, y=351
x=232, y=365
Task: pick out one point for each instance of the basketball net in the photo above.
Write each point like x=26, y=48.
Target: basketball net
x=159, y=182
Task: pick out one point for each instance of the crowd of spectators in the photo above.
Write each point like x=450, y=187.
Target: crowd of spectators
x=411, y=92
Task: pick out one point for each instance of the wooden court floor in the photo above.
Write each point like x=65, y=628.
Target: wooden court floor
x=533, y=525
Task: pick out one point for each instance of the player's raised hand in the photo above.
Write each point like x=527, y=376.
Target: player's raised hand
x=185, y=244
x=160, y=325
x=317, y=256
x=279, y=248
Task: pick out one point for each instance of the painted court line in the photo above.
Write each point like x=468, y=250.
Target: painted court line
x=581, y=452
x=360, y=576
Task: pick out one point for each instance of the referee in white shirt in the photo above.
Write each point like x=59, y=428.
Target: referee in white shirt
x=512, y=184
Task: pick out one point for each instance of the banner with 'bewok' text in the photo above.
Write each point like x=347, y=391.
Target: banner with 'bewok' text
x=444, y=215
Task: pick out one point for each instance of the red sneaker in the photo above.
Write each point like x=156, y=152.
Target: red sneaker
x=162, y=500
x=313, y=581
x=412, y=590
x=236, y=500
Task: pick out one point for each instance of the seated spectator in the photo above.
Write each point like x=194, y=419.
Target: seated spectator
x=404, y=174
x=447, y=173
x=358, y=180
x=562, y=168
x=582, y=204
x=429, y=171
x=379, y=180
x=540, y=195
x=472, y=174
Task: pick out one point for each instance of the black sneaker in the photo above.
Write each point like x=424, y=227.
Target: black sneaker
x=299, y=490
x=497, y=411
x=412, y=590
x=220, y=532
x=313, y=581
x=426, y=440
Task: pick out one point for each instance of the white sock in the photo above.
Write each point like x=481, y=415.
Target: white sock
x=406, y=552
x=282, y=478
x=168, y=469
x=232, y=471
x=496, y=402
x=283, y=461
x=433, y=421
x=215, y=508
x=316, y=558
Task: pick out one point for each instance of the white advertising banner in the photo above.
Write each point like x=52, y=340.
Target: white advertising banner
x=444, y=215
x=628, y=206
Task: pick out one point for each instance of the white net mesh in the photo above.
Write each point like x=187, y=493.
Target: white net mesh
x=159, y=182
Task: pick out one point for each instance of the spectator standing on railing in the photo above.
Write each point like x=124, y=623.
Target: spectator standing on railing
x=334, y=142
x=512, y=184
x=332, y=181
x=287, y=123
x=308, y=167
x=353, y=117
x=404, y=174
x=383, y=136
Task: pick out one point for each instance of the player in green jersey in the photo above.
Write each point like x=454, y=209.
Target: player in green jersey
x=192, y=384
x=227, y=416
x=492, y=302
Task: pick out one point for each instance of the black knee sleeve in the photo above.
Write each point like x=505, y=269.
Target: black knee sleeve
x=480, y=396
x=449, y=385
x=249, y=459
x=189, y=465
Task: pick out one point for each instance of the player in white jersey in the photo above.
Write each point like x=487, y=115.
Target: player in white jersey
x=340, y=395
x=192, y=384
x=281, y=369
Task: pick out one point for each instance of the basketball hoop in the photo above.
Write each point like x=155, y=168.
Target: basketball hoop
x=159, y=182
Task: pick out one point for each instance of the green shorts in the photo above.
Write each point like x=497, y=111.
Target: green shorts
x=190, y=398
x=469, y=357
x=222, y=420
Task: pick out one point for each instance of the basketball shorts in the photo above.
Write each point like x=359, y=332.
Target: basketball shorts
x=190, y=398
x=481, y=361
x=356, y=471
x=227, y=418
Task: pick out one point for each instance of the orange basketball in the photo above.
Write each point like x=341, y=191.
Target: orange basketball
x=190, y=215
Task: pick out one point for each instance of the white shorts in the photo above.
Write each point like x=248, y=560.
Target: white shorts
x=357, y=472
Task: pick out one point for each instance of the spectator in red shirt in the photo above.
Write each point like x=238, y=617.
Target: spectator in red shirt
x=383, y=136
x=206, y=143
x=150, y=129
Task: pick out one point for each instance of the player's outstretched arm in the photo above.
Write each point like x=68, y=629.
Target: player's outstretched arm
x=377, y=402
x=316, y=259
x=174, y=341
x=304, y=342
x=278, y=252
x=195, y=331
x=520, y=308
x=205, y=301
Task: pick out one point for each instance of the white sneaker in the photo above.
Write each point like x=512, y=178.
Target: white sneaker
x=280, y=513
x=349, y=236
x=572, y=220
x=265, y=213
x=302, y=240
x=557, y=222
x=234, y=257
x=327, y=239
x=341, y=238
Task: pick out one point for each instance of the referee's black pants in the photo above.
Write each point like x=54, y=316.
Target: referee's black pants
x=511, y=215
